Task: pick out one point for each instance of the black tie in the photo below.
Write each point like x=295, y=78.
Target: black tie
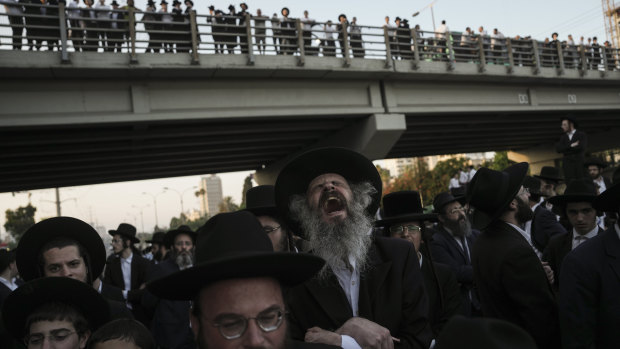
x=465, y=251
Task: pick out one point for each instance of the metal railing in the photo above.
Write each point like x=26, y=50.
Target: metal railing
x=69, y=29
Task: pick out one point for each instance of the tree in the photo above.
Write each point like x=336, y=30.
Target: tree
x=228, y=205
x=500, y=161
x=247, y=184
x=194, y=225
x=18, y=221
x=385, y=176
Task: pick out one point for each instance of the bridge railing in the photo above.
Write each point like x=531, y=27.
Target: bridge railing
x=68, y=29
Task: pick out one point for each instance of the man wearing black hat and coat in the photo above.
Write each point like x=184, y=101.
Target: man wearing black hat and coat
x=371, y=291
x=242, y=29
x=572, y=145
x=127, y=269
x=288, y=33
x=595, y=167
x=158, y=247
x=576, y=206
x=451, y=244
x=170, y=320
x=590, y=285
x=510, y=278
x=404, y=218
x=549, y=180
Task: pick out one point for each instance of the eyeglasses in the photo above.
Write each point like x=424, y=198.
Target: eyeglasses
x=400, y=229
x=234, y=326
x=269, y=229
x=116, y=241
x=55, y=336
x=183, y=243
x=457, y=210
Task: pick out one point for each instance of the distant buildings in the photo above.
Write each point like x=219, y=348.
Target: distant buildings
x=211, y=188
x=398, y=166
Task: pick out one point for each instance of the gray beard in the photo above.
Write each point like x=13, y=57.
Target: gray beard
x=459, y=229
x=184, y=260
x=336, y=242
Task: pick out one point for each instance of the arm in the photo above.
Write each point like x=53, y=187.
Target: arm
x=562, y=146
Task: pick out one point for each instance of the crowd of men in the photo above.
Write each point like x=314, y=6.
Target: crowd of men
x=509, y=263
x=106, y=27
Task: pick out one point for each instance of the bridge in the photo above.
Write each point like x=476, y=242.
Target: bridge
x=72, y=116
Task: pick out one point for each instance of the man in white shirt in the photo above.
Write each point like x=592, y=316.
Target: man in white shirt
x=103, y=17
x=454, y=181
x=307, y=24
x=8, y=272
x=595, y=168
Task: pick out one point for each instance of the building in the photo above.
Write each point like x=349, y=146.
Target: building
x=211, y=189
x=397, y=166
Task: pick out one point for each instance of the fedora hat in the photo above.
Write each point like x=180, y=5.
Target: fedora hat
x=490, y=192
x=125, y=230
x=533, y=185
x=30, y=244
x=579, y=190
x=29, y=297
x=403, y=206
x=594, y=161
x=172, y=234
x=609, y=200
x=158, y=238
x=299, y=172
x=234, y=245
x=447, y=197
x=550, y=173
x=571, y=118
x=461, y=332
x=261, y=201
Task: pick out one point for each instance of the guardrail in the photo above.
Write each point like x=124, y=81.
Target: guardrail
x=69, y=29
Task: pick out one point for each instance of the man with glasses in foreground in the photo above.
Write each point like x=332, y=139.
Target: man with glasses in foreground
x=236, y=285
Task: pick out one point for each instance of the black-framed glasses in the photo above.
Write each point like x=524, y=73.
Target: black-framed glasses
x=400, y=229
x=56, y=336
x=234, y=326
x=269, y=229
x=457, y=210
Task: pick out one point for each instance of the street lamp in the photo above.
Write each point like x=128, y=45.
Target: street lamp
x=154, y=204
x=432, y=12
x=141, y=215
x=181, y=194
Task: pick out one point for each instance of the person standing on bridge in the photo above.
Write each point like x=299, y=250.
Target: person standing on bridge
x=573, y=145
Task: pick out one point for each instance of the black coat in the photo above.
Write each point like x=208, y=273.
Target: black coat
x=446, y=250
x=391, y=294
x=589, y=301
x=512, y=284
x=544, y=226
x=113, y=275
x=441, y=311
x=572, y=163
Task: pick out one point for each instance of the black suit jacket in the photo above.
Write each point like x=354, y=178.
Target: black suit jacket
x=170, y=322
x=589, y=294
x=563, y=145
x=4, y=292
x=444, y=299
x=513, y=285
x=391, y=294
x=544, y=226
x=113, y=275
x=446, y=250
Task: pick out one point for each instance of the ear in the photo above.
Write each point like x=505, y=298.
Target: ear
x=441, y=219
x=513, y=204
x=83, y=339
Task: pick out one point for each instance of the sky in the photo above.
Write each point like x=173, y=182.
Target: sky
x=108, y=205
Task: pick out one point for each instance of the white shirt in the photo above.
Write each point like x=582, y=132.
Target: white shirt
x=349, y=280
x=14, y=10
x=463, y=177
x=570, y=134
x=307, y=23
x=472, y=173
x=601, y=184
x=579, y=239
x=103, y=14
x=440, y=31
x=454, y=183
x=528, y=224
x=73, y=11
x=329, y=32
x=617, y=229
x=9, y=283
x=527, y=238
x=126, y=269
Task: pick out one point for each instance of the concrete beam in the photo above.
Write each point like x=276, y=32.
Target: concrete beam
x=373, y=136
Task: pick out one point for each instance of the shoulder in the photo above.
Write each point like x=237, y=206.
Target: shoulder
x=559, y=239
x=390, y=249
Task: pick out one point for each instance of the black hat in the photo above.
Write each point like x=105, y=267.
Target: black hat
x=459, y=193
x=261, y=201
x=163, y=2
x=490, y=192
x=234, y=245
x=29, y=297
x=172, y=234
x=150, y=3
x=114, y=3
x=571, y=118
x=533, y=185
x=158, y=238
x=397, y=19
x=556, y=34
x=594, y=161
x=6, y=258
x=442, y=199
x=231, y=7
x=243, y=4
x=579, y=190
x=176, y=2
x=32, y=241
x=287, y=10
x=126, y=230
x=342, y=15
x=550, y=173
x=190, y=2
x=212, y=8
x=403, y=206
x=461, y=332
x=299, y=172
x=609, y=200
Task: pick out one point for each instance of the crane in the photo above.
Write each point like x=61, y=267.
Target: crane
x=611, y=13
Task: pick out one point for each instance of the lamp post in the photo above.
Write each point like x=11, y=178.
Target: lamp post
x=141, y=213
x=181, y=194
x=58, y=202
x=432, y=12
x=154, y=204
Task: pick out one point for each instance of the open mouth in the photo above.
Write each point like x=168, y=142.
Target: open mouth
x=332, y=204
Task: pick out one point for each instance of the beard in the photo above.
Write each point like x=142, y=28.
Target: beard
x=336, y=241
x=184, y=259
x=460, y=227
x=524, y=211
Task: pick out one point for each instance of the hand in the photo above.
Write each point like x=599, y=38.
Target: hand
x=367, y=333
x=574, y=144
x=549, y=272
x=143, y=286
x=319, y=335
x=96, y=284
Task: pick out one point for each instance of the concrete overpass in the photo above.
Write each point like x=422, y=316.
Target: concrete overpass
x=76, y=118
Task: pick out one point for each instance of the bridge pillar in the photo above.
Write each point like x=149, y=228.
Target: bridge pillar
x=373, y=136
x=537, y=157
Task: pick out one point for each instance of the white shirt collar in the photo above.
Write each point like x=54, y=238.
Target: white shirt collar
x=571, y=133
x=128, y=259
x=592, y=233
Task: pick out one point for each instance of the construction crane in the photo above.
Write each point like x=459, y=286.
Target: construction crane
x=611, y=12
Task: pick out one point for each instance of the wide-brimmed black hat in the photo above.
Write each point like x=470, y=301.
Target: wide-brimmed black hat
x=30, y=244
x=158, y=238
x=342, y=15
x=176, y=2
x=459, y=192
x=261, y=201
x=579, y=190
x=114, y=3
x=609, y=200
x=126, y=230
x=594, y=161
x=172, y=234
x=234, y=245
x=243, y=4
x=299, y=172
x=490, y=192
x=461, y=332
x=403, y=206
x=571, y=118
x=447, y=197
x=29, y=297
x=549, y=173
x=163, y=2
x=533, y=185
x=6, y=257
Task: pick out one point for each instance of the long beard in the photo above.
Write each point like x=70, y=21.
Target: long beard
x=184, y=259
x=460, y=228
x=524, y=211
x=337, y=241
